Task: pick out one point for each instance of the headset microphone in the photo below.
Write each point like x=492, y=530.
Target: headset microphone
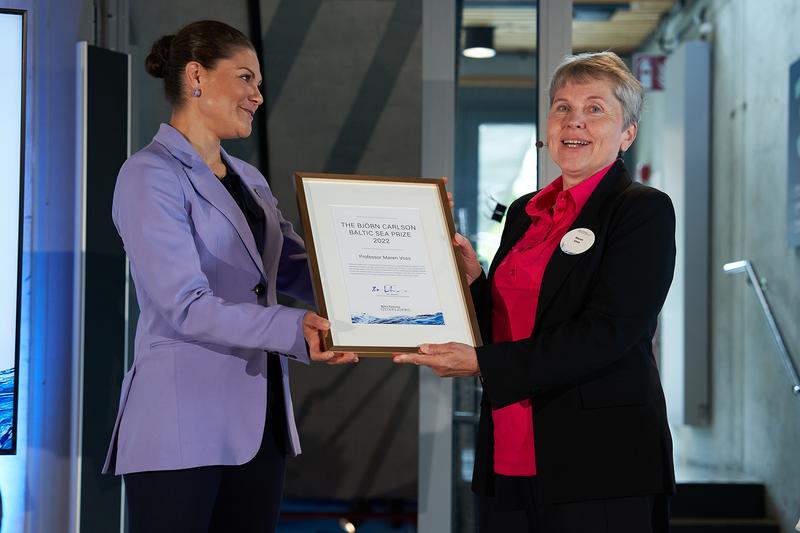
x=540, y=144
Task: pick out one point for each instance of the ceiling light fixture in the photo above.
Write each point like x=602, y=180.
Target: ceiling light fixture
x=479, y=42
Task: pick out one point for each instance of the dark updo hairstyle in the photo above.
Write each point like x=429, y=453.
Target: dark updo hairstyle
x=204, y=41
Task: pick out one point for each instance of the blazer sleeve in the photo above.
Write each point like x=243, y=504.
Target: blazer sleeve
x=625, y=298
x=152, y=217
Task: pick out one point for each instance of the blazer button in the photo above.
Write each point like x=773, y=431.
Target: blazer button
x=259, y=289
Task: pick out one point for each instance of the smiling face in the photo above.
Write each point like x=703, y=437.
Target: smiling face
x=230, y=94
x=585, y=129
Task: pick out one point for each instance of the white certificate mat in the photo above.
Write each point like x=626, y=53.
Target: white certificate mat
x=384, y=267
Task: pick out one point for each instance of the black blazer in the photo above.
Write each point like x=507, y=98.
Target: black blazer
x=600, y=427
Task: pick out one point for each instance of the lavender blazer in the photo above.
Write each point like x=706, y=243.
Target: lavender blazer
x=196, y=394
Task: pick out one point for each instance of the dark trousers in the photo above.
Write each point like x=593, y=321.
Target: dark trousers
x=242, y=498
x=641, y=514
x=217, y=499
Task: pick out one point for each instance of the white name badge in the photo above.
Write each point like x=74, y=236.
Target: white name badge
x=577, y=241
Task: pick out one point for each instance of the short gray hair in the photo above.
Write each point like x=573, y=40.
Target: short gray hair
x=582, y=68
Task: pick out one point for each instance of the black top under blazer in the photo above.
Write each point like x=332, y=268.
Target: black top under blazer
x=600, y=426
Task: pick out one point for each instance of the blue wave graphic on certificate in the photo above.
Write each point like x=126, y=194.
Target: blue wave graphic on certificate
x=418, y=320
x=386, y=266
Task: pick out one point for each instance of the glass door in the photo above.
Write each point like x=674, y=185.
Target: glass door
x=495, y=162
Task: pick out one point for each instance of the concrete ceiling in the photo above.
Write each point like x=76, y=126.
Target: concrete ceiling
x=515, y=24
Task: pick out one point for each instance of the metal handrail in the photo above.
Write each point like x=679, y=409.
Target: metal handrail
x=746, y=266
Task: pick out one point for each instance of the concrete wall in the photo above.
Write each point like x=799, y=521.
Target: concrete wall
x=755, y=420
x=344, y=91
x=346, y=94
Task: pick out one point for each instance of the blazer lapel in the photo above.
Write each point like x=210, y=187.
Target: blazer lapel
x=209, y=187
x=592, y=216
x=518, y=227
x=273, y=237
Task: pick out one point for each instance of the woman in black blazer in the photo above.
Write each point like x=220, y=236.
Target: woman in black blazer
x=599, y=454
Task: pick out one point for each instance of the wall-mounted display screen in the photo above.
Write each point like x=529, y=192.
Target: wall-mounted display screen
x=12, y=150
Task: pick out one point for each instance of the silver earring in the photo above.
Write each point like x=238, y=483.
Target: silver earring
x=196, y=92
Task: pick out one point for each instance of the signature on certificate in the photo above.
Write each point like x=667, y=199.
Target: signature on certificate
x=388, y=290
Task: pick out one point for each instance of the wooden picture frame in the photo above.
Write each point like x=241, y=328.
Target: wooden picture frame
x=384, y=267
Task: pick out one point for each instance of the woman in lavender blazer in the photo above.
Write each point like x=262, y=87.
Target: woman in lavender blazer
x=205, y=418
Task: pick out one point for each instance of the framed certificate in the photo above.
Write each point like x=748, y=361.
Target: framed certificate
x=384, y=267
